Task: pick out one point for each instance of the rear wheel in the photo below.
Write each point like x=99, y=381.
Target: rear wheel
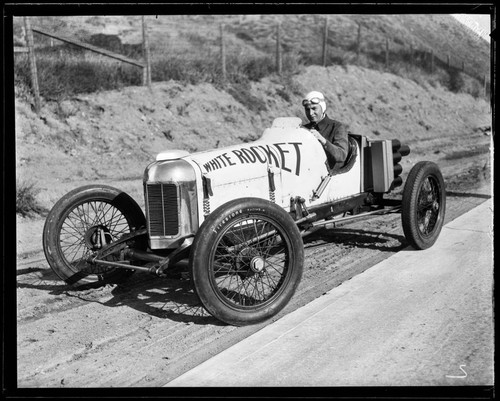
x=81, y=223
x=424, y=204
x=246, y=261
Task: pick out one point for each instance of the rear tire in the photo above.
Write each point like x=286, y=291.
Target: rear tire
x=238, y=279
x=424, y=204
x=80, y=223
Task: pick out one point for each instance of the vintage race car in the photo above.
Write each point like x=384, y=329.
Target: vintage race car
x=238, y=215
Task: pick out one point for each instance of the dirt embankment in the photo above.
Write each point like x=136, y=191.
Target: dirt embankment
x=111, y=136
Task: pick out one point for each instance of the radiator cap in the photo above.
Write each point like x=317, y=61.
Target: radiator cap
x=171, y=154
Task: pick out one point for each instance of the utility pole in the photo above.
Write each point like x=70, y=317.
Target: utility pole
x=279, y=63
x=32, y=61
x=325, y=40
x=146, y=76
x=223, y=52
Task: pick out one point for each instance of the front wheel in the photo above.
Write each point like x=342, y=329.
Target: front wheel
x=246, y=261
x=82, y=222
x=424, y=204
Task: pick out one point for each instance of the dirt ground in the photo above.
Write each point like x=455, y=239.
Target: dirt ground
x=147, y=331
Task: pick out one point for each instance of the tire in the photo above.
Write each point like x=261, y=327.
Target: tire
x=424, y=205
x=240, y=282
x=78, y=224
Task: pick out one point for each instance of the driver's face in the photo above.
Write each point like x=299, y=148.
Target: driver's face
x=314, y=113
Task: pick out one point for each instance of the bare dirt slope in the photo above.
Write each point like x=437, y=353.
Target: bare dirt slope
x=147, y=331
x=111, y=136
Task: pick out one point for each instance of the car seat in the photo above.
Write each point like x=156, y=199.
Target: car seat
x=352, y=152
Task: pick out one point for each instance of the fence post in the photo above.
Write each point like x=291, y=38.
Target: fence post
x=386, y=53
x=279, y=64
x=222, y=52
x=325, y=40
x=358, y=42
x=32, y=60
x=146, y=75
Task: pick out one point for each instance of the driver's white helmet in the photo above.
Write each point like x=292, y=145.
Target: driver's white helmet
x=315, y=97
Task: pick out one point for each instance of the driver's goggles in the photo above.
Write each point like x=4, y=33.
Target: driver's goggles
x=314, y=100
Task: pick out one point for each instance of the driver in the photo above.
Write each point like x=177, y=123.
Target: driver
x=332, y=134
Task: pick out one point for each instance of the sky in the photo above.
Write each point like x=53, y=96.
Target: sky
x=479, y=23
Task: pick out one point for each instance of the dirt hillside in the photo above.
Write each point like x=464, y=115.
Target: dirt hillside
x=113, y=135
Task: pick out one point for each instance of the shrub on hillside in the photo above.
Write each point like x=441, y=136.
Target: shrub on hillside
x=180, y=69
x=292, y=62
x=456, y=81
x=26, y=202
x=76, y=76
x=472, y=86
x=253, y=68
x=22, y=76
x=22, y=83
x=85, y=77
x=459, y=82
x=239, y=70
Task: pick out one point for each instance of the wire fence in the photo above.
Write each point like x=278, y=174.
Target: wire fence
x=222, y=45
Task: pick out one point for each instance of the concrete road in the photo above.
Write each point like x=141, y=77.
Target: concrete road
x=419, y=318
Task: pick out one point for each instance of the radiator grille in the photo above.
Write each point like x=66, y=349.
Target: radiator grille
x=162, y=209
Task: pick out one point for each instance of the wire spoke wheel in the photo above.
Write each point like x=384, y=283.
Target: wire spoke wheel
x=247, y=261
x=83, y=222
x=428, y=205
x=86, y=229
x=424, y=204
x=249, y=273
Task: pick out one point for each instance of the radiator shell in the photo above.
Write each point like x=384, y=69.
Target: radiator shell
x=171, y=203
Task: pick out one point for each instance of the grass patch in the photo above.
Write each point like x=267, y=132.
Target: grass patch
x=76, y=75
x=27, y=204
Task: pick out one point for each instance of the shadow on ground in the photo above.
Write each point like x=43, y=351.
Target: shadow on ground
x=174, y=298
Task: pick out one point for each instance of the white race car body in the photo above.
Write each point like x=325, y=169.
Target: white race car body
x=286, y=162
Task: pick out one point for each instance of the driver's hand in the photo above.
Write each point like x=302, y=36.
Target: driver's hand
x=318, y=136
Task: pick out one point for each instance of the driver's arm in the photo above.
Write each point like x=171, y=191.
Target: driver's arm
x=337, y=144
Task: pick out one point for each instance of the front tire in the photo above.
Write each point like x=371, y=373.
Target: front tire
x=82, y=222
x=424, y=204
x=246, y=261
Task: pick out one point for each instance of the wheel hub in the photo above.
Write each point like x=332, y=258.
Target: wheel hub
x=257, y=264
x=249, y=262
x=97, y=236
